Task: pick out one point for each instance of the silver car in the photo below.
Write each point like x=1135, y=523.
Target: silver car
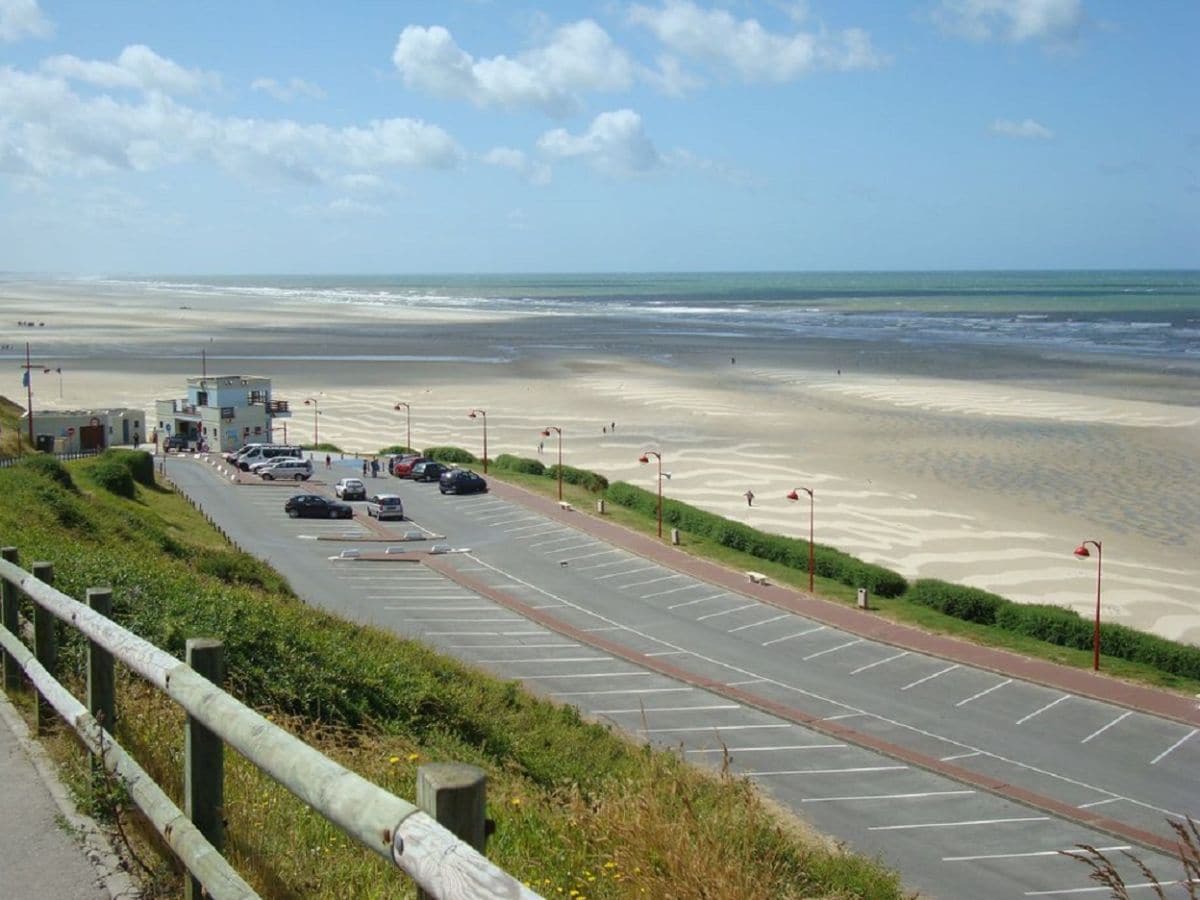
x=385, y=506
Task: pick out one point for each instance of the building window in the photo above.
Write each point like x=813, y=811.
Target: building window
x=258, y=429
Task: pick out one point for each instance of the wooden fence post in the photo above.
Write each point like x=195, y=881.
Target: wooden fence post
x=204, y=759
x=101, y=701
x=455, y=794
x=45, y=644
x=8, y=618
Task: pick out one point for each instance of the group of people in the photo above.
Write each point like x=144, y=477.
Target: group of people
x=371, y=466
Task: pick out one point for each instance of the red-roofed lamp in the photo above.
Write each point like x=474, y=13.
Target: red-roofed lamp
x=1082, y=553
x=793, y=495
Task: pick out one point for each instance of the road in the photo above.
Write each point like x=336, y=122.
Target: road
x=967, y=780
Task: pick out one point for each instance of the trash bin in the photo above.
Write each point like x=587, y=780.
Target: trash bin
x=600, y=506
x=675, y=536
x=863, y=602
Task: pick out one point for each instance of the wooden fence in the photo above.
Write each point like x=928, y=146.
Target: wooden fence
x=8, y=461
x=447, y=865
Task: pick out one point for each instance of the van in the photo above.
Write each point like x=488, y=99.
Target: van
x=234, y=455
x=265, y=452
x=287, y=469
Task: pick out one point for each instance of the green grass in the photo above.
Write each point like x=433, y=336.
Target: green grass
x=577, y=807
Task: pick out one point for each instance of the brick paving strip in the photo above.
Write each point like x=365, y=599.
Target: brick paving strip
x=1099, y=687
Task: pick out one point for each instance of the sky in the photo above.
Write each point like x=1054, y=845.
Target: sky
x=303, y=136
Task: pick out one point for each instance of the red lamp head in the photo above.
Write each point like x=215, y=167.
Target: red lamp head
x=307, y=402
x=792, y=495
x=545, y=432
x=643, y=458
x=471, y=414
x=1082, y=552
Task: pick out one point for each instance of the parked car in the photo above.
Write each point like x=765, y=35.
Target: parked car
x=314, y=506
x=385, y=506
x=403, y=467
x=259, y=465
x=351, y=489
x=266, y=452
x=429, y=470
x=295, y=469
x=176, y=442
x=403, y=457
x=234, y=455
x=462, y=481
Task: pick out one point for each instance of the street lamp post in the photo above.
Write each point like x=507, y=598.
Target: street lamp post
x=312, y=401
x=546, y=433
x=645, y=458
x=1082, y=553
x=408, y=422
x=793, y=495
x=481, y=413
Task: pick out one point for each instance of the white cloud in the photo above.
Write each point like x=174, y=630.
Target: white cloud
x=578, y=58
x=1027, y=129
x=286, y=92
x=138, y=67
x=615, y=144
x=50, y=130
x=533, y=171
x=22, y=18
x=1012, y=20
x=722, y=42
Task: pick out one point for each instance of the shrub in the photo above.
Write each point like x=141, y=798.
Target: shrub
x=592, y=481
x=786, y=551
x=523, y=465
x=450, y=455
x=394, y=450
x=111, y=475
x=966, y=603
x=139, y=463
x=49, y=467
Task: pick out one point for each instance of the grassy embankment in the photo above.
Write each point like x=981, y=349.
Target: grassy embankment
x=579, y=811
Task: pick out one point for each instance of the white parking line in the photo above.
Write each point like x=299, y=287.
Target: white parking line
x=586, y=555
x=919, y=796
x=1095, y=890
x=756, y=624
x=620, y=574
x=1100, y=731
x=1038, y=712
x=588, y=675
x=851, y=771
x=796, y=635
x=650, y=581
x=878, y=662
x=959, y=824
x=710, y=728
x=1028, y=855
x=1100, y=802
x=832, y=649
x=617, y=562
x=504, y=646
x=650, y=709
x=726, y=612
x=787, y=747
x=520, y=528
x=1174, y=746
x=961, y=756
x=482, y=633
x=840, y=716
x=670, y=653
x=743, y=683
x=694, y=602
x=438, y=608
x=566, y=537
x=686, y=587
x=511, y=619
x=994, y=687
x=548, y=659
x=511, y=521
x=913, y=684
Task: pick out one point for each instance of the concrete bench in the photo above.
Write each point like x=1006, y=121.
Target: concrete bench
x=563, y=504
x=756, y=577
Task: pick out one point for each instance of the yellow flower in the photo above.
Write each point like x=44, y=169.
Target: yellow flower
x=515, y=801
x=413, y=757
x=393, y=759
x=610, y=865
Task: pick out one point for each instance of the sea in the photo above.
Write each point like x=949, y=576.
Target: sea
x=1136, y=315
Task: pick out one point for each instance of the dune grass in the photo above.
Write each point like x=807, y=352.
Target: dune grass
x=580, y=811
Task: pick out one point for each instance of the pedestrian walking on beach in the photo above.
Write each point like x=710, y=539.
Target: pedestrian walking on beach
x=749, y=498
x=612, y=427
x=604, y=428
x=540, y=445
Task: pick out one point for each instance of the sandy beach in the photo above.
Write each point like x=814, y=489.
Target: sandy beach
x=983, y=471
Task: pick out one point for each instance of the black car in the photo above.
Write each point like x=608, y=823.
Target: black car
x=461, y=481
x=430, y=470
x=314, y=506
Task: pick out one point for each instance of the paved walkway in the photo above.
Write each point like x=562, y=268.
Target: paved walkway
x=1082, y=682
x=39, y=857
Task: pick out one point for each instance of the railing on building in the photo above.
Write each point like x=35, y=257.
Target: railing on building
x=277, y=408
x=407, y=835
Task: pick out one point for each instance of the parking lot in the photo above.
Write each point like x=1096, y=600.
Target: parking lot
x=949, y=838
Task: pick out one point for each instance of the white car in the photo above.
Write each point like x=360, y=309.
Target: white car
x=268, y=463
x=350, y=489
x=291, y=469
x=385, y=506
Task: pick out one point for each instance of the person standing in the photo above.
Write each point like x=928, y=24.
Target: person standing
x=749, y=498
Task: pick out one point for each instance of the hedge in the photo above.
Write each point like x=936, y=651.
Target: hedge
x=110, y=474
x=592, y=481
x=450, y=455
x=791, y=552
x=966, y=603
x=139, y=463
x=523, y=465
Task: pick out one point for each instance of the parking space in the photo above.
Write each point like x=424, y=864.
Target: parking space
x=949, y=838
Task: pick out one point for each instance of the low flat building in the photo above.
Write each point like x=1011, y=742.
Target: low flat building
x=221, y=412
x=73, y=430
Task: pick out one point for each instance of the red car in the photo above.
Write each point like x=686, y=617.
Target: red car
x=396, y=460
x=404, y=466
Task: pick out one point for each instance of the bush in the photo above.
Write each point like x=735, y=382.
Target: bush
x=49, y=467
x=394, y=450
x=322, y=447
x=592, y=481
x=791, y=552
x=139, y=463
x=450, y=455
x=506, y=462
x=113, y=476
x=966, y=603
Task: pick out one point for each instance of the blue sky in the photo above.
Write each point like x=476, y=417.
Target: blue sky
x=376, y=137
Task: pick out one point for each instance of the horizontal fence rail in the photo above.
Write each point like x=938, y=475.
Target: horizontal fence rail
x=441, y=864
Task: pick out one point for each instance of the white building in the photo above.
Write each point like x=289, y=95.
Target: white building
x=221, y=411
x=72, y=430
